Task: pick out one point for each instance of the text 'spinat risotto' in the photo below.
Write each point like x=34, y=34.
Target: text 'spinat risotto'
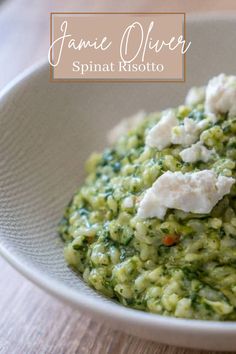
x=154, y=224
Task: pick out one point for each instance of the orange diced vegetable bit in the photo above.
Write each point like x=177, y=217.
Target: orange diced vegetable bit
x=170, y=240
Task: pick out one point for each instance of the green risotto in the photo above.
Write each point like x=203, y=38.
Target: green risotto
x=182, y=264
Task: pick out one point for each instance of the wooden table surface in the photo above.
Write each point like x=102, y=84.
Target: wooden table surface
x=30, y=320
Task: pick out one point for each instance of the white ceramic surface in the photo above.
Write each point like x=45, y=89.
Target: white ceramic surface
x=46, y=132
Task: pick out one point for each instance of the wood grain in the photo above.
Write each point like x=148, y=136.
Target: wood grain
x=30, y=320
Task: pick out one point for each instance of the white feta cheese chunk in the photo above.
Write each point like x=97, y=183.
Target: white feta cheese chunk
x=195, y=96
x=128, y=202
x=168, y=131
x=196, y=192
x=150, y=206
x=160, y=135
x=124, y=126
x=196, y=152
x=204, y=123
x=221, y=95
x=185, y=134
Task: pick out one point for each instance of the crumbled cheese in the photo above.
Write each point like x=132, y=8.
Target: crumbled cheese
x=204, y=123
x=150, y=206
x=168, y=131
x=196, y=152
x=195, y=96
x=196, y=192
x=128, y=202
x=124, y=126
x=221, y=95
x=185, y=134
x=160, y=135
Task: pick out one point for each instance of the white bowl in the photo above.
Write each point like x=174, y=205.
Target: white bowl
x=47, y=131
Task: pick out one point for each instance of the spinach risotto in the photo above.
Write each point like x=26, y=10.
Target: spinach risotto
x=154, y=224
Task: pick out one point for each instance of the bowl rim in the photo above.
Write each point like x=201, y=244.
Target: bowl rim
x=84, y=302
